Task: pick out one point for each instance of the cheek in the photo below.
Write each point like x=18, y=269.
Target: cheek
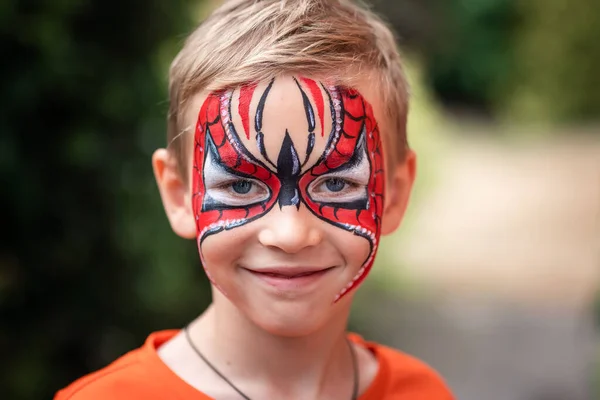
x=219, y=252
x=353, y=248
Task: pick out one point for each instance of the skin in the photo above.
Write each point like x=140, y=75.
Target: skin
x=276, y=343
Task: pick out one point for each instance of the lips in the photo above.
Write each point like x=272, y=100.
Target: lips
x=290, y=278
x=288, y=272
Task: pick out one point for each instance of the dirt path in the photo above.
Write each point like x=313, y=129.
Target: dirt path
x=507, y=245
x=517, y=223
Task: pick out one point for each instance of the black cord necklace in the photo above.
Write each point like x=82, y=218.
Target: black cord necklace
x=216, y=371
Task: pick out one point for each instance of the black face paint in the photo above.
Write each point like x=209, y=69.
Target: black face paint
x=288, y=173
x=310, y=118
x=258, y=123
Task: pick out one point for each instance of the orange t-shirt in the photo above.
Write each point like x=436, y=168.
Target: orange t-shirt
x=141, y=374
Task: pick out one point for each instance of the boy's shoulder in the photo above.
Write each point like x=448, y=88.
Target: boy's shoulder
x=135, y=375
x=125, y=374
x=140, y=374
x=402, y=376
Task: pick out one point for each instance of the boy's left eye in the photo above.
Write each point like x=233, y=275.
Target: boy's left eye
x=335, y=184
x=336, y=189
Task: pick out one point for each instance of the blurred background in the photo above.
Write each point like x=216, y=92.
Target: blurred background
x=493, y=279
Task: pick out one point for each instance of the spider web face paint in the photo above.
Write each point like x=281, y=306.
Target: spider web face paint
x=352, y=158
x=353, y=142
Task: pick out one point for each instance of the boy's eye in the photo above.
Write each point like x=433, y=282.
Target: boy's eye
x=238, y=192
x=335, y=184
x=336, y=189
x=223, y=188
x=244, y=187
x=241, y=187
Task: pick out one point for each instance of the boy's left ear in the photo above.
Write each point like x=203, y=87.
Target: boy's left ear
x=398, y=190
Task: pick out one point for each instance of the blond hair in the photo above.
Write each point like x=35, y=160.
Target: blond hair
x=255, y=40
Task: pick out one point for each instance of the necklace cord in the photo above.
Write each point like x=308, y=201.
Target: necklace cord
x=354, y=369
x=216, y=371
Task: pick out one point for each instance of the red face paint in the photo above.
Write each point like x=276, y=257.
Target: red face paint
x=317, y=96
x=286, y=180
x=246, y=93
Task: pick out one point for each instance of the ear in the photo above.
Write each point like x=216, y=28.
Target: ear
x=175, y=194
x=399, y=188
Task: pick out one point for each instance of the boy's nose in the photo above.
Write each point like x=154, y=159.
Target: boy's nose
x=290, y=229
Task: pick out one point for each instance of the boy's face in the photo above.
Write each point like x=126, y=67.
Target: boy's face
x=287, y=197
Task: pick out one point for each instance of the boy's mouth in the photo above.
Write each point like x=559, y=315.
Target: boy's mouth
x=289, y=277
x=289, y=272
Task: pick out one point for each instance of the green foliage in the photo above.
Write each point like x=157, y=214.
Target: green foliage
x=89, y=265
x=469, y=60
x=558, y=59
x=534, y=60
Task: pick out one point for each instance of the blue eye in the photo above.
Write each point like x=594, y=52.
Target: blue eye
x=335, y=184
x=241, y=187
x=345, y=191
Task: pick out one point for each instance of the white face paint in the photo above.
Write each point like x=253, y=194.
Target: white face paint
x=230, y=189
x=345, y=186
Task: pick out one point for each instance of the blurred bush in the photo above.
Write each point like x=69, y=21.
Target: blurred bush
x=470, y=60
x=88, y=265
x=557, y=62
x=465, y=46
x=531, y=60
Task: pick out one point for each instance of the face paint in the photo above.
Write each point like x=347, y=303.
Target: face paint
x=343, y=187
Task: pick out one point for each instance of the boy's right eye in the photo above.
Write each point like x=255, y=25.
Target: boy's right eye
x=239, y=192
x=242, y=186
x=224, y=188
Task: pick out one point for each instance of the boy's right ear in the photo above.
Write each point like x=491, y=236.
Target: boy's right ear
x=175, y=194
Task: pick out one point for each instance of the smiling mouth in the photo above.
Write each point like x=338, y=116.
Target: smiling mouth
x=290, y=278
x=292, y=275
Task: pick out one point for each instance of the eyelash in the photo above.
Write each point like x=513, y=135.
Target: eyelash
x=349, y=183
x=252, y=192
x=320, y=192
x=228, y=185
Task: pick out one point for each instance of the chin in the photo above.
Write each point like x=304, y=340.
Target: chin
x=290, y=325
x=296, y=318
x=290, y=318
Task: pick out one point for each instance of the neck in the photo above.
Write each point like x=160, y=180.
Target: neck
x=250, y=355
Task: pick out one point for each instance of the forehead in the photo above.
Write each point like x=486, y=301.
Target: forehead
x=296, y=108
x=284, y=112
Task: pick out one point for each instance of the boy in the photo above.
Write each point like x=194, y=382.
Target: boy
x=281, y=115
